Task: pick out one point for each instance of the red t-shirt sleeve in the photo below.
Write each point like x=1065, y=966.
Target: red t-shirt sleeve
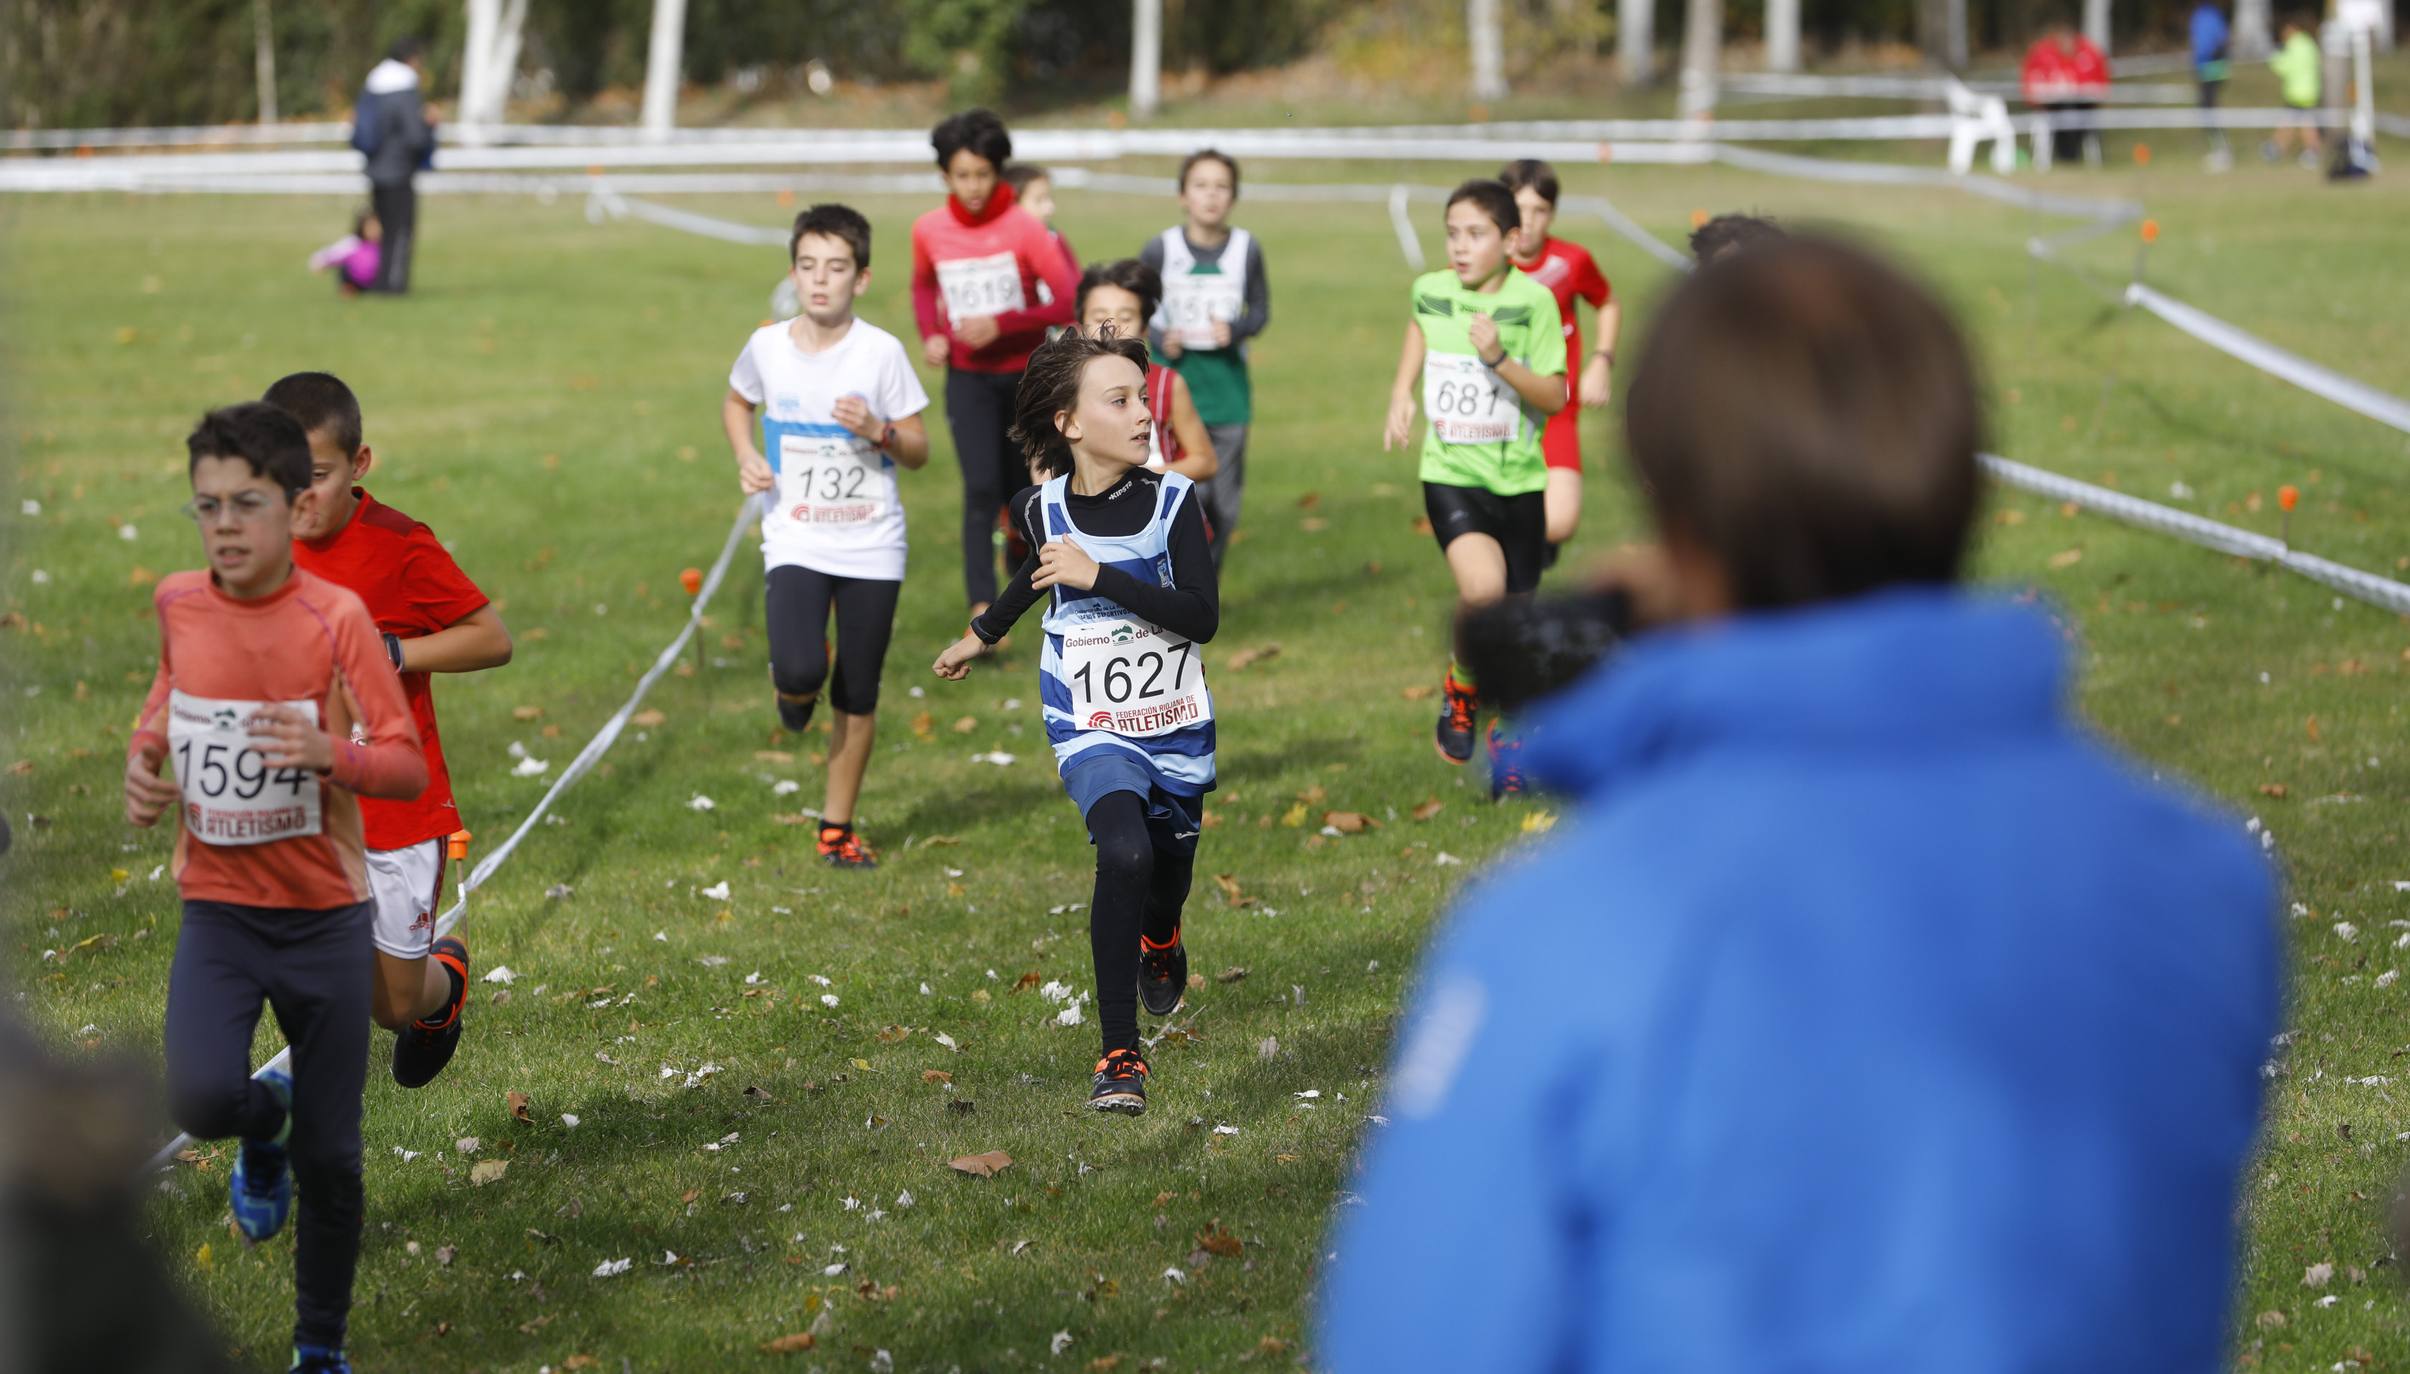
x=1047, y=261
x=440, y=593
x=925, y=310
x=389, y=764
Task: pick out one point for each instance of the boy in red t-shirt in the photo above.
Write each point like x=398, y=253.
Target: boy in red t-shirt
x=280, y=717
x=1568, y=270
x=433, y=620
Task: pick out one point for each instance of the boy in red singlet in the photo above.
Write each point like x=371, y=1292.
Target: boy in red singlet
x=1567, y=270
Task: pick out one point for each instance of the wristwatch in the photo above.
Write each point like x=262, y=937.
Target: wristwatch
x=393, y=650
x=886, y=438
x=1496, y=365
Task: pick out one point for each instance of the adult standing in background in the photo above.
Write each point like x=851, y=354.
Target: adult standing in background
x=2211, y=37
x=394, y=127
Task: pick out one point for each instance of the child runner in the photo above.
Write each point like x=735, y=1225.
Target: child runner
x=1488, y=345
x=1567, y=270
x=1033, y=187
x=433, y=620
x=1129, y=584
x=1120, y=298
x=279, y=707
x=976, y=264
x=1216, y=298
x=840, y=409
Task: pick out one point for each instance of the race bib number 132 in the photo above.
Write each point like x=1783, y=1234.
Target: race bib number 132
x=231, y=795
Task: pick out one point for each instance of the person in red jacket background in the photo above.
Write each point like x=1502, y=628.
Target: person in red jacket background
x=977, y=262
x=2064, y=72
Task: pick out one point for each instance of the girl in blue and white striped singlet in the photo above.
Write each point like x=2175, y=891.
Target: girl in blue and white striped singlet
x=1124, y=565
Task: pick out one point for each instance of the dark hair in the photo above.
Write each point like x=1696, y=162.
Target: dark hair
x=1807, y=416
x=1051, y=386
x=1732, y=233
x=1531, y=172
x=407, y=48
x=359, y=221
x=841, y=222
x=978, y=130
x=1493, y=200
x=1189, y=163
x=319, y=400
x=265, y=436
x=1130, y=275
x=1020, y=174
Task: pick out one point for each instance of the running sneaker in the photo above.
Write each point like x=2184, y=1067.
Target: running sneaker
x=1458, y=707
x=260, y=1185
x=795, y=717
x=842, y=848
x=422, y=1048
x=1506, y=764
x=1120, y=1083
x=1162, y=974
x=317, y=1359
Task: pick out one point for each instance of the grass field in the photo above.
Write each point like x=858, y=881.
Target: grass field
x=548, y=402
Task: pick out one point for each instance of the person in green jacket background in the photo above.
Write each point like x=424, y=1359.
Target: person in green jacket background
x=2297, y=64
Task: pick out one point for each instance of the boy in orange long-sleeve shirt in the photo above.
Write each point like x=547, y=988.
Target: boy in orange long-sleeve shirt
x=278, y=707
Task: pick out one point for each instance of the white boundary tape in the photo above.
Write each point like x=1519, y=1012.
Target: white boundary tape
x=586, y=758
x=2351, y=394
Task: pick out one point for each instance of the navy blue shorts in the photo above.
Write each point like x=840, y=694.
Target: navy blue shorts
x=1171, y=819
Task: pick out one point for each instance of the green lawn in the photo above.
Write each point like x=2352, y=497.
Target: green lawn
x=548, y=401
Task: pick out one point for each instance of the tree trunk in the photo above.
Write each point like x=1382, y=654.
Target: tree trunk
x=1782, y=35
x=1481, y=21
x=502, y=69
x=664, y=59
x=484, y=17
x=263, y=58
x=2096, y=24
x=1954, y=36
x=1702, y=53
x=2254, y=34
x=1636, y=40
x=1146, y=58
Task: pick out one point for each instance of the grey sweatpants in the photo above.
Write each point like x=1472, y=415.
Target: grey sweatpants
x=1222, y=493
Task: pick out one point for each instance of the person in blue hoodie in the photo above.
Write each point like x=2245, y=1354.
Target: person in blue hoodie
x=1866, y=1011
x=394, y=129
x=2210, y=38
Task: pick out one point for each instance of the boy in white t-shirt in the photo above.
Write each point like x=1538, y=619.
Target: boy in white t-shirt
x=840, y=409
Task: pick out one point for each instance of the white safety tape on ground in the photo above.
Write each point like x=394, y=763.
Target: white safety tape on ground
x=578, y=767
x=606, y=202
x=2344, y=391
x=1892, y=174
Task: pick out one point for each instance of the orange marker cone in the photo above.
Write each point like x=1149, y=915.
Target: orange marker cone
x=2150, y=231
x=692, y=580
x=2142, y=155
x=456, y=845
x=2287, y=497
x=1699, y=218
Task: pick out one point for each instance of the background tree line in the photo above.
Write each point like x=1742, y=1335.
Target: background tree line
x=135, y=62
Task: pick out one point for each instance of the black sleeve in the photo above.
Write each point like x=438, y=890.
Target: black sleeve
x=998, y=619
x=1152, y=256
x=1191, y=607
x=1258, y=312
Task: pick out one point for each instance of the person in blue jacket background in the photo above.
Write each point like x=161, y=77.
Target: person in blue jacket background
x=1866, y=1012
x=2211, y=37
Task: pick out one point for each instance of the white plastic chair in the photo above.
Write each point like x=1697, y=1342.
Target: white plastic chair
x=1974, y=118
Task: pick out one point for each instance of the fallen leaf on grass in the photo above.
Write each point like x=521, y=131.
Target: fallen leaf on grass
x=2318, y=1275
x=1310, y=500
x=518, y=1107
x=487, y=1171
x=1539, y=823
x=1231, y=975
x=924, y=726
x=790, y=1344
x=1419, y=692
x=611, y=1269
x=2313, y=729
x=1349, y=822
x=581, y=1361
x=2066, y=558
x=1248, y=658
x=2273, y=789
x=1231, y=892
x=648, y=719
x=1213, y=1240
x=935, y=1076
x=986, y=1165
x=1294, y=816
x=1429, y=808
x=527, y=713
x=966, y=725
x=1025, y=982
x=778, y=756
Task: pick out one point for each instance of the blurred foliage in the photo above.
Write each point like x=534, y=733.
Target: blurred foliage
x=130, y=62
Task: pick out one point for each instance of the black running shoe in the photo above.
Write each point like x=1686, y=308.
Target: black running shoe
x=422, y=1048
x=796, y=716
x=1120, y=1083
x=1162, y=974
x=1458, y=708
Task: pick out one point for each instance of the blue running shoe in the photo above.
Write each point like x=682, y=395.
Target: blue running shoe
x=1506, y=765
x=317, y=1359
x=260, y=1185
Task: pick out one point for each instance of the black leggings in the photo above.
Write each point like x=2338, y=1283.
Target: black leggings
x=979, y=408
x=797, y=604
x=313, y=969
x=1140, y=886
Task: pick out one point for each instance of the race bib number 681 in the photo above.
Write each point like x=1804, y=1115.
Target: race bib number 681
x=231, y=795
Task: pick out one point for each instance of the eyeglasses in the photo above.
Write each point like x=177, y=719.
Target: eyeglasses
x=248, y=507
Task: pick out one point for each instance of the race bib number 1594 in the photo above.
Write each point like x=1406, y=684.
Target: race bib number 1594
x=231, y=795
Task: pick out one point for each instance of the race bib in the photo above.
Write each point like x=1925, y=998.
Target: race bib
x=1133, y=679
x=231, y=795
x=830, y=480
x=1193, y=305
x=975, y=288
x=1468, y=403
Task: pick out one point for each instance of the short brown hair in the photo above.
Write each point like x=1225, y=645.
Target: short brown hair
x=1051, y=386
x=1189, y=164
x=1847, y=460
x=264, y=436
x=1730, y=234
x=1531, y=172
x=320, y=401
x=1130, y=275
x=840, y=222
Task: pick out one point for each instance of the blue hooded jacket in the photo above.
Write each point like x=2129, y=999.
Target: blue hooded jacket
x=1864, y=1013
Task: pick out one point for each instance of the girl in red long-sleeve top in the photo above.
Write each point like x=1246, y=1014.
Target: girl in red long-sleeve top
x=977, y=262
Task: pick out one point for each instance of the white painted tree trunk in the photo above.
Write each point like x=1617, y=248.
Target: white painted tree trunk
x=2096, y=25
x=664, y=59
x=1954, y=35
x=2254, y=32
x=1702, y=53
x=502, y=70
x=485, y=16
x=1482, y=27
x=263, y=58
x=1782, y=35
x=1146, y=58
x=1636, y=40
